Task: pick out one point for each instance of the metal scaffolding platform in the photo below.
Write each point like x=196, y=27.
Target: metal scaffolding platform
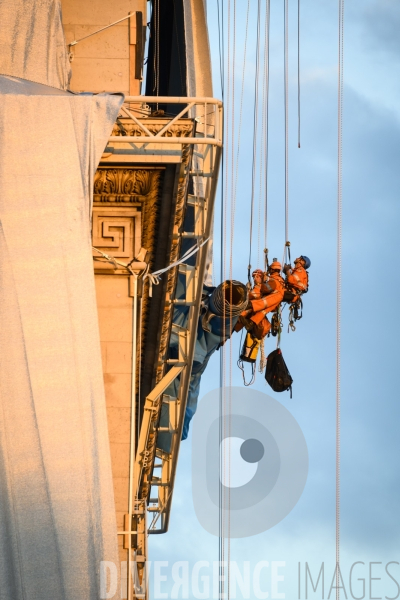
x=152, y=470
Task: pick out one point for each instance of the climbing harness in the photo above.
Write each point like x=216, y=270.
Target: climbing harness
x=295, y=314
x=276, y=323
x=279, y=330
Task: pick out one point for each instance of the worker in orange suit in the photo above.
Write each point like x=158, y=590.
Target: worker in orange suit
x=297, y=278
x=272, y=291
x=264, y=297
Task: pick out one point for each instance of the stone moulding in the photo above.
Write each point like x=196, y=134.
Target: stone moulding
x=120, y=184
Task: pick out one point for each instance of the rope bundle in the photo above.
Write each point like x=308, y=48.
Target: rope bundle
x=229, y=299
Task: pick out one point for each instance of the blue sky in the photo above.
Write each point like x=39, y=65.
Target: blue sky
x=370, y=527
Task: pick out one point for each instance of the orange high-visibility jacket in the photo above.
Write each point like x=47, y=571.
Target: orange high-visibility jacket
x=272, y=290
x=255, y=292
x=298, y=279
x=261, y=329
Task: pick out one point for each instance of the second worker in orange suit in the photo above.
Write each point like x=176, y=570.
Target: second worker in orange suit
x=265, y=297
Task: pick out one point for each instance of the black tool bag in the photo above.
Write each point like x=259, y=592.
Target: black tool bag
x=277, y=374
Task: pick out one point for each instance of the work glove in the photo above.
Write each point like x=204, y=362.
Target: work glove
x=287, y=268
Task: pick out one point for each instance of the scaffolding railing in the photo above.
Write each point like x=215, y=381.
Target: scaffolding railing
x=207, y=112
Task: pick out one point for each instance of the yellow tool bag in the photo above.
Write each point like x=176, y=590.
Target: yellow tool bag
x=250, y=349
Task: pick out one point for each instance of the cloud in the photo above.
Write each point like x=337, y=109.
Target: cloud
x=381, y=20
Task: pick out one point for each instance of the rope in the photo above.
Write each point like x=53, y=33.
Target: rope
x=223, y=355
x=221, y=376
x=156, y=57
x=286, y=100
x=339, y=283
x=263, y=144
x=221, y=304
x=231, y=310
x=98, y=31
x=158, y=49
x=253, y=374
x=263, y=360
x=298, y=73
x=255, y=122
x=154, y=278
x=221, y=68
x=183, y=258
x=236, y=167
x=266, y=112
x=182, y=78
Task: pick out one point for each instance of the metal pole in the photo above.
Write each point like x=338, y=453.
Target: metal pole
x=133, y=430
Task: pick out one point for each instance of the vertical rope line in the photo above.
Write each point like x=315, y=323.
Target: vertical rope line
x=179, y=52
x=231, y=302
x=158, y=48
x=286, y=100
x=264, y=125
x=223, y=241
x=261, y=174
x=255, y=122
x=267, y=43
x=298, y=73
x=227, y=143
x=221, y=69
x=236, y=166
x=220, y=451
x=339, y=285
x=155, y=48
x=232, y=216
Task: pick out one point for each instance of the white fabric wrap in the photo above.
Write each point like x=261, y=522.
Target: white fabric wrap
x=32, y=44
x=57, y=513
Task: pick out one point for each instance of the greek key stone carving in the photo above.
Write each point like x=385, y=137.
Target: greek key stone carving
x=117, y=233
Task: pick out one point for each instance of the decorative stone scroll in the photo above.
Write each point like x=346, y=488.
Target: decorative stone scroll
x=120, y=184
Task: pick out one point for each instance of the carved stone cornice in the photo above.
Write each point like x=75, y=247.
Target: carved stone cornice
x=119, y=184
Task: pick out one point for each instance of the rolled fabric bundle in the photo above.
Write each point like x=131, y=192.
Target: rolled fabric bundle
x=229, y=299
